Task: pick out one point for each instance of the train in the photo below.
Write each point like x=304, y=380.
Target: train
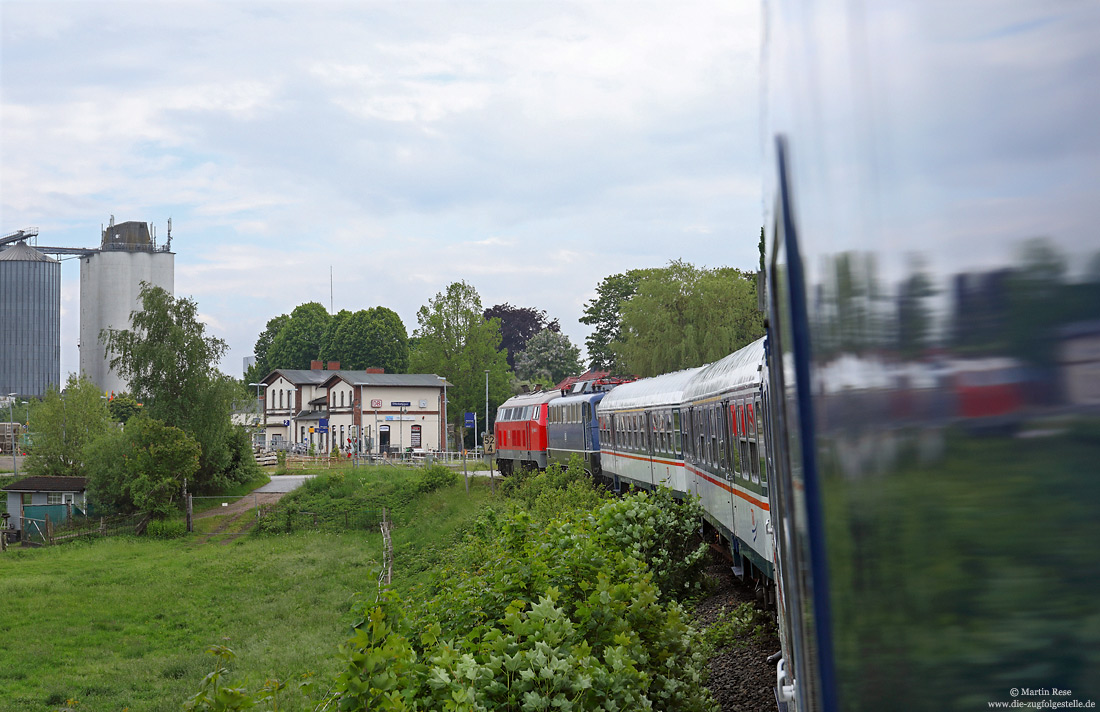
x=927, y=433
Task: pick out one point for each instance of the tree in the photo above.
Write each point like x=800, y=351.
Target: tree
x=301, y=339
x=914, y=322
x=327, y=352
x=171, y=365
x=123, y=407
x=262, y=367
x=371, y=338
x=682, y=316
x=64, y=423
x=605, y=313
x=456, y=341
x=548, y=358
x=141, y=468
x=518, y=325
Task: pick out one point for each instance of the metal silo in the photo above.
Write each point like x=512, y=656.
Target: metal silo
x=30, y=321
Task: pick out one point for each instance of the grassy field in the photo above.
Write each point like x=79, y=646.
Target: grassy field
x=123, y=623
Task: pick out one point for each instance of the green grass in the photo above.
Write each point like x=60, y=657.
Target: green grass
x=124, y=622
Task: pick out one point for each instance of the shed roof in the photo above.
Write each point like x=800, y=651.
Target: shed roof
x=48, y=484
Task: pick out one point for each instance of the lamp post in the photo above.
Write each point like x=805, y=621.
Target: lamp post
x=401, y=431
x=486, y=410
x=11, y=431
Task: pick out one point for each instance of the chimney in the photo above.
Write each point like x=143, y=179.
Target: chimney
x=376, y=370
x=315, y=365
x=333, y=366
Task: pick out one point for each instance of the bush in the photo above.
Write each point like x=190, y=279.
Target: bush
x=549, y=619
x=435, y=477
x=661, y=531
x=166, y=528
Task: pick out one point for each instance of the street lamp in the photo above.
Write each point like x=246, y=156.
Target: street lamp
x=486, y=409
x=401, y=431
x=11, y=431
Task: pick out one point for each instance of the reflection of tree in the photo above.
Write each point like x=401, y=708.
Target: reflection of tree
x=850, y=309
x=914, y=314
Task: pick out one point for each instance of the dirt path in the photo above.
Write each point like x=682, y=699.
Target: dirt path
x=242, y=505
x=233, y=514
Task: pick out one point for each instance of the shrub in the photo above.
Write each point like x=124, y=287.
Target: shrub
x=166, y=528
x=435, y=477
x=659, y=530
x=736, y=626
x=549, y=619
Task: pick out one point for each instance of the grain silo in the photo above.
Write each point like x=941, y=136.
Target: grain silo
x=30, y=321
x=110, y=288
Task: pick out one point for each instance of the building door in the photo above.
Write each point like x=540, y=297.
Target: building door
x=383, y=438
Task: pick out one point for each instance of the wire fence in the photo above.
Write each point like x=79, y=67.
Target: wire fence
x=46, y=532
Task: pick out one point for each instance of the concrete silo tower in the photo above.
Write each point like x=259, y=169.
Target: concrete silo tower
x=30, y=321
x=110, y=287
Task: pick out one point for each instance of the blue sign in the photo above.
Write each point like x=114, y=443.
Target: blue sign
x=286, y=422
x=399, y=404
x=322, y=429
x=471, y=420
x=323, y=422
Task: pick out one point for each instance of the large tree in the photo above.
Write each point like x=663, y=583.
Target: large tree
x=301, y=339
x=682, y=316
x=171, y=364
x=454, y=340
x=262, y=367
x=141, y=468
x=64, y=424
x=605, y=314
x=518, y=325
x=371, y=338
x=549, y=358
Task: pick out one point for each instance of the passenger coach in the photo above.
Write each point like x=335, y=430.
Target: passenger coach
x=641, y=432
x=726, y=454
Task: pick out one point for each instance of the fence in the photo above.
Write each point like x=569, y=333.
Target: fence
x=45, y=531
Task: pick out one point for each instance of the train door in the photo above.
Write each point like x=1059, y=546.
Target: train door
x=586, y=421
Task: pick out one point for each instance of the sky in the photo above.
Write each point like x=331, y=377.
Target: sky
x=528, y=148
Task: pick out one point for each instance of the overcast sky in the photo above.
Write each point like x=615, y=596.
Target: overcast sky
x=529, y=148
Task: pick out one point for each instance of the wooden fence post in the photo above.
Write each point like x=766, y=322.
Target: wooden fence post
x=49, y=529
x=190, y=514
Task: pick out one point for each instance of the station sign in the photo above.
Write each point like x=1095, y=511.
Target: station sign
x=400, y=404
x=471, y=420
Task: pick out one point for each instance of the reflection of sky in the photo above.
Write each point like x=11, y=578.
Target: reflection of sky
x=530, y=148
x=959, y=132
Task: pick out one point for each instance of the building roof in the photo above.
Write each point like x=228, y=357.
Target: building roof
x=363, y=378
x=48, y=484
x=320, y=377
x=22, y=252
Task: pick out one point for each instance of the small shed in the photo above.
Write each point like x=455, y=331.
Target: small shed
x=40, y=491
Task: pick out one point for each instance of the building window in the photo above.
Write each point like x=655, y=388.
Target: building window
x=53, y=498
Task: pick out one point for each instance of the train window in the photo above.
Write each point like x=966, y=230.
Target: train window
x=754, y=457
x=676, y=429
x=714, y=435
x=723, y=438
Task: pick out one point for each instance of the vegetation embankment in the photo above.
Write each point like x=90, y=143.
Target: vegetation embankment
x=547, y=595
x=555, y=599
x=124, y=622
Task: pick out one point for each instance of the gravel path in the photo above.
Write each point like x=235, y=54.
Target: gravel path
x=741, y=679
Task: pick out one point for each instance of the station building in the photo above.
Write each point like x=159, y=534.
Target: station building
x=378, y=412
